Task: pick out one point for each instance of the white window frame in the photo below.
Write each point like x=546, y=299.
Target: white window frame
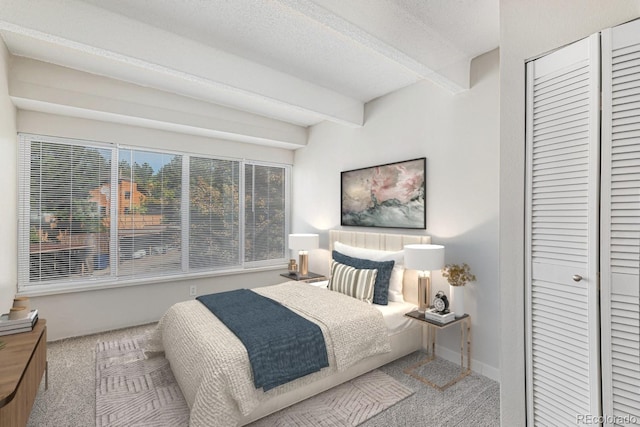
x=113, y=280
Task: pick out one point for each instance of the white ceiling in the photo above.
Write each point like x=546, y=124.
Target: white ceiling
x=299, y=61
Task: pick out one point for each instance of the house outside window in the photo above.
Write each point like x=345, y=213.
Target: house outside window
x=102, y=213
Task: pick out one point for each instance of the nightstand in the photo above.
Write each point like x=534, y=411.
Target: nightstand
x=309, y=278
x=465, y=338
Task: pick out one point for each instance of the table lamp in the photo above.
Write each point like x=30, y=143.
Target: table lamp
x=303, y=243
x=424, y=258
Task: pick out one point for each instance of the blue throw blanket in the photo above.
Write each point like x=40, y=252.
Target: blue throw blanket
x=282, y=345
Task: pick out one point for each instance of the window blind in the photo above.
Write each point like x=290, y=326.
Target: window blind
x=148, y=212
x=265, y=212
x=92, y=212
x=63, y=229
x=214, y=213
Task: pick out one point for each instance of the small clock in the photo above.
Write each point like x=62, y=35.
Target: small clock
x=441, y=303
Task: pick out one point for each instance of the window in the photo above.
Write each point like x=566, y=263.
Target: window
x=265, y=212
x=149, y=219
x=62, y=227
x=93, y=213
x=214, y=213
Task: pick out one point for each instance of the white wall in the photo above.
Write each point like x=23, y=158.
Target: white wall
x=8, y=173
x=527, y=30
x=81, y=313
x=459, y=136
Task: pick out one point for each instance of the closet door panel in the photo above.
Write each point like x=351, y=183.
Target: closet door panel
x=621, y=222
x=562, y=235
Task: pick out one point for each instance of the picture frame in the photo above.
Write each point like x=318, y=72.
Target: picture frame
x=391, y=195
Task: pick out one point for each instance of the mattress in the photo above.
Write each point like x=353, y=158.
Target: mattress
x=393, y=313
x=394, y=316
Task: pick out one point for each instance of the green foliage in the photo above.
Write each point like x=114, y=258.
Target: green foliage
x=214, y=212
x=265, y=213
x=165, y=191
x=458, y=275
x=162, y=189
x=86, y=218
x=34, y=237
x=62, y=177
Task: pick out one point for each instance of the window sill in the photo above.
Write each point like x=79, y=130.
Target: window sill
x=99, y=285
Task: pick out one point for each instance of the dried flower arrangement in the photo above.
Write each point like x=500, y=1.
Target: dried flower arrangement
x=458, y=275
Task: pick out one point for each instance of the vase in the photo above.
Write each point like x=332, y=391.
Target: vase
x=293, y=266
x=456, y=295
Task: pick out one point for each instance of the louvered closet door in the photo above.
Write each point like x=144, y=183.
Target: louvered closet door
x=562, y=235
x=621, y=222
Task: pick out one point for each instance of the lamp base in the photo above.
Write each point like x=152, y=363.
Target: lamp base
x=304, y=263
x=424, y=293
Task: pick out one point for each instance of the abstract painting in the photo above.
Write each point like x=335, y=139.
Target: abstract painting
x=390, y=195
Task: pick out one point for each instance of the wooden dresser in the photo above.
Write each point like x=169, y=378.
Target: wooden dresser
x=23, y=361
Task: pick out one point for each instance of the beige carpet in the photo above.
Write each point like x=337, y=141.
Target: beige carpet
x=70, y=400
x=132, y=390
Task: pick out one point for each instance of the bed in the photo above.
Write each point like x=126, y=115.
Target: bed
x=212, y=368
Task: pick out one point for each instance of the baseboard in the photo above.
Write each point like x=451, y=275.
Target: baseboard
x=478, y=367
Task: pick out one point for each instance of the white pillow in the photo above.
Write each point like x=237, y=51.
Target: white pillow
x=397, y=274
x=395, y=283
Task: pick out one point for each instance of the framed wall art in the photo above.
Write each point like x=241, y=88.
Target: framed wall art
x=392, y=195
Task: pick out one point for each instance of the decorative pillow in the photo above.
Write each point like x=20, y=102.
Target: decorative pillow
x=381, y=286
x=353, y=282
x=397, y=275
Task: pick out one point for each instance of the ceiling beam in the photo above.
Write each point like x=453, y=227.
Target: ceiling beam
x=48, y=88
x=347, y=18
x=72, y=33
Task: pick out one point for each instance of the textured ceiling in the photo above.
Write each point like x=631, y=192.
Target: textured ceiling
x=299, y=61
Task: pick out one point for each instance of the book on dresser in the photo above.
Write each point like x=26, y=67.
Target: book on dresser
x=15, y=326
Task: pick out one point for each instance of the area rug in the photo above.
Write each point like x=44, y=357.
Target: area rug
x=348, y=404
x=134, y=390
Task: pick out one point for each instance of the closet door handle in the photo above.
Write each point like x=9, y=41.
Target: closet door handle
x=576, y=277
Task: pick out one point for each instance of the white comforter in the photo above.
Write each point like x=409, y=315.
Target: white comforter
x=212, y=366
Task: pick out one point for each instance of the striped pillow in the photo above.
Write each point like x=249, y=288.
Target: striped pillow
x=353, y=282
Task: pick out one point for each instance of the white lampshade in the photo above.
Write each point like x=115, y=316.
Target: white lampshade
x=303, y=242
x=424, y=257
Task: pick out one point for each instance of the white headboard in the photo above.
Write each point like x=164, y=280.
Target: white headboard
x=384, y=242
